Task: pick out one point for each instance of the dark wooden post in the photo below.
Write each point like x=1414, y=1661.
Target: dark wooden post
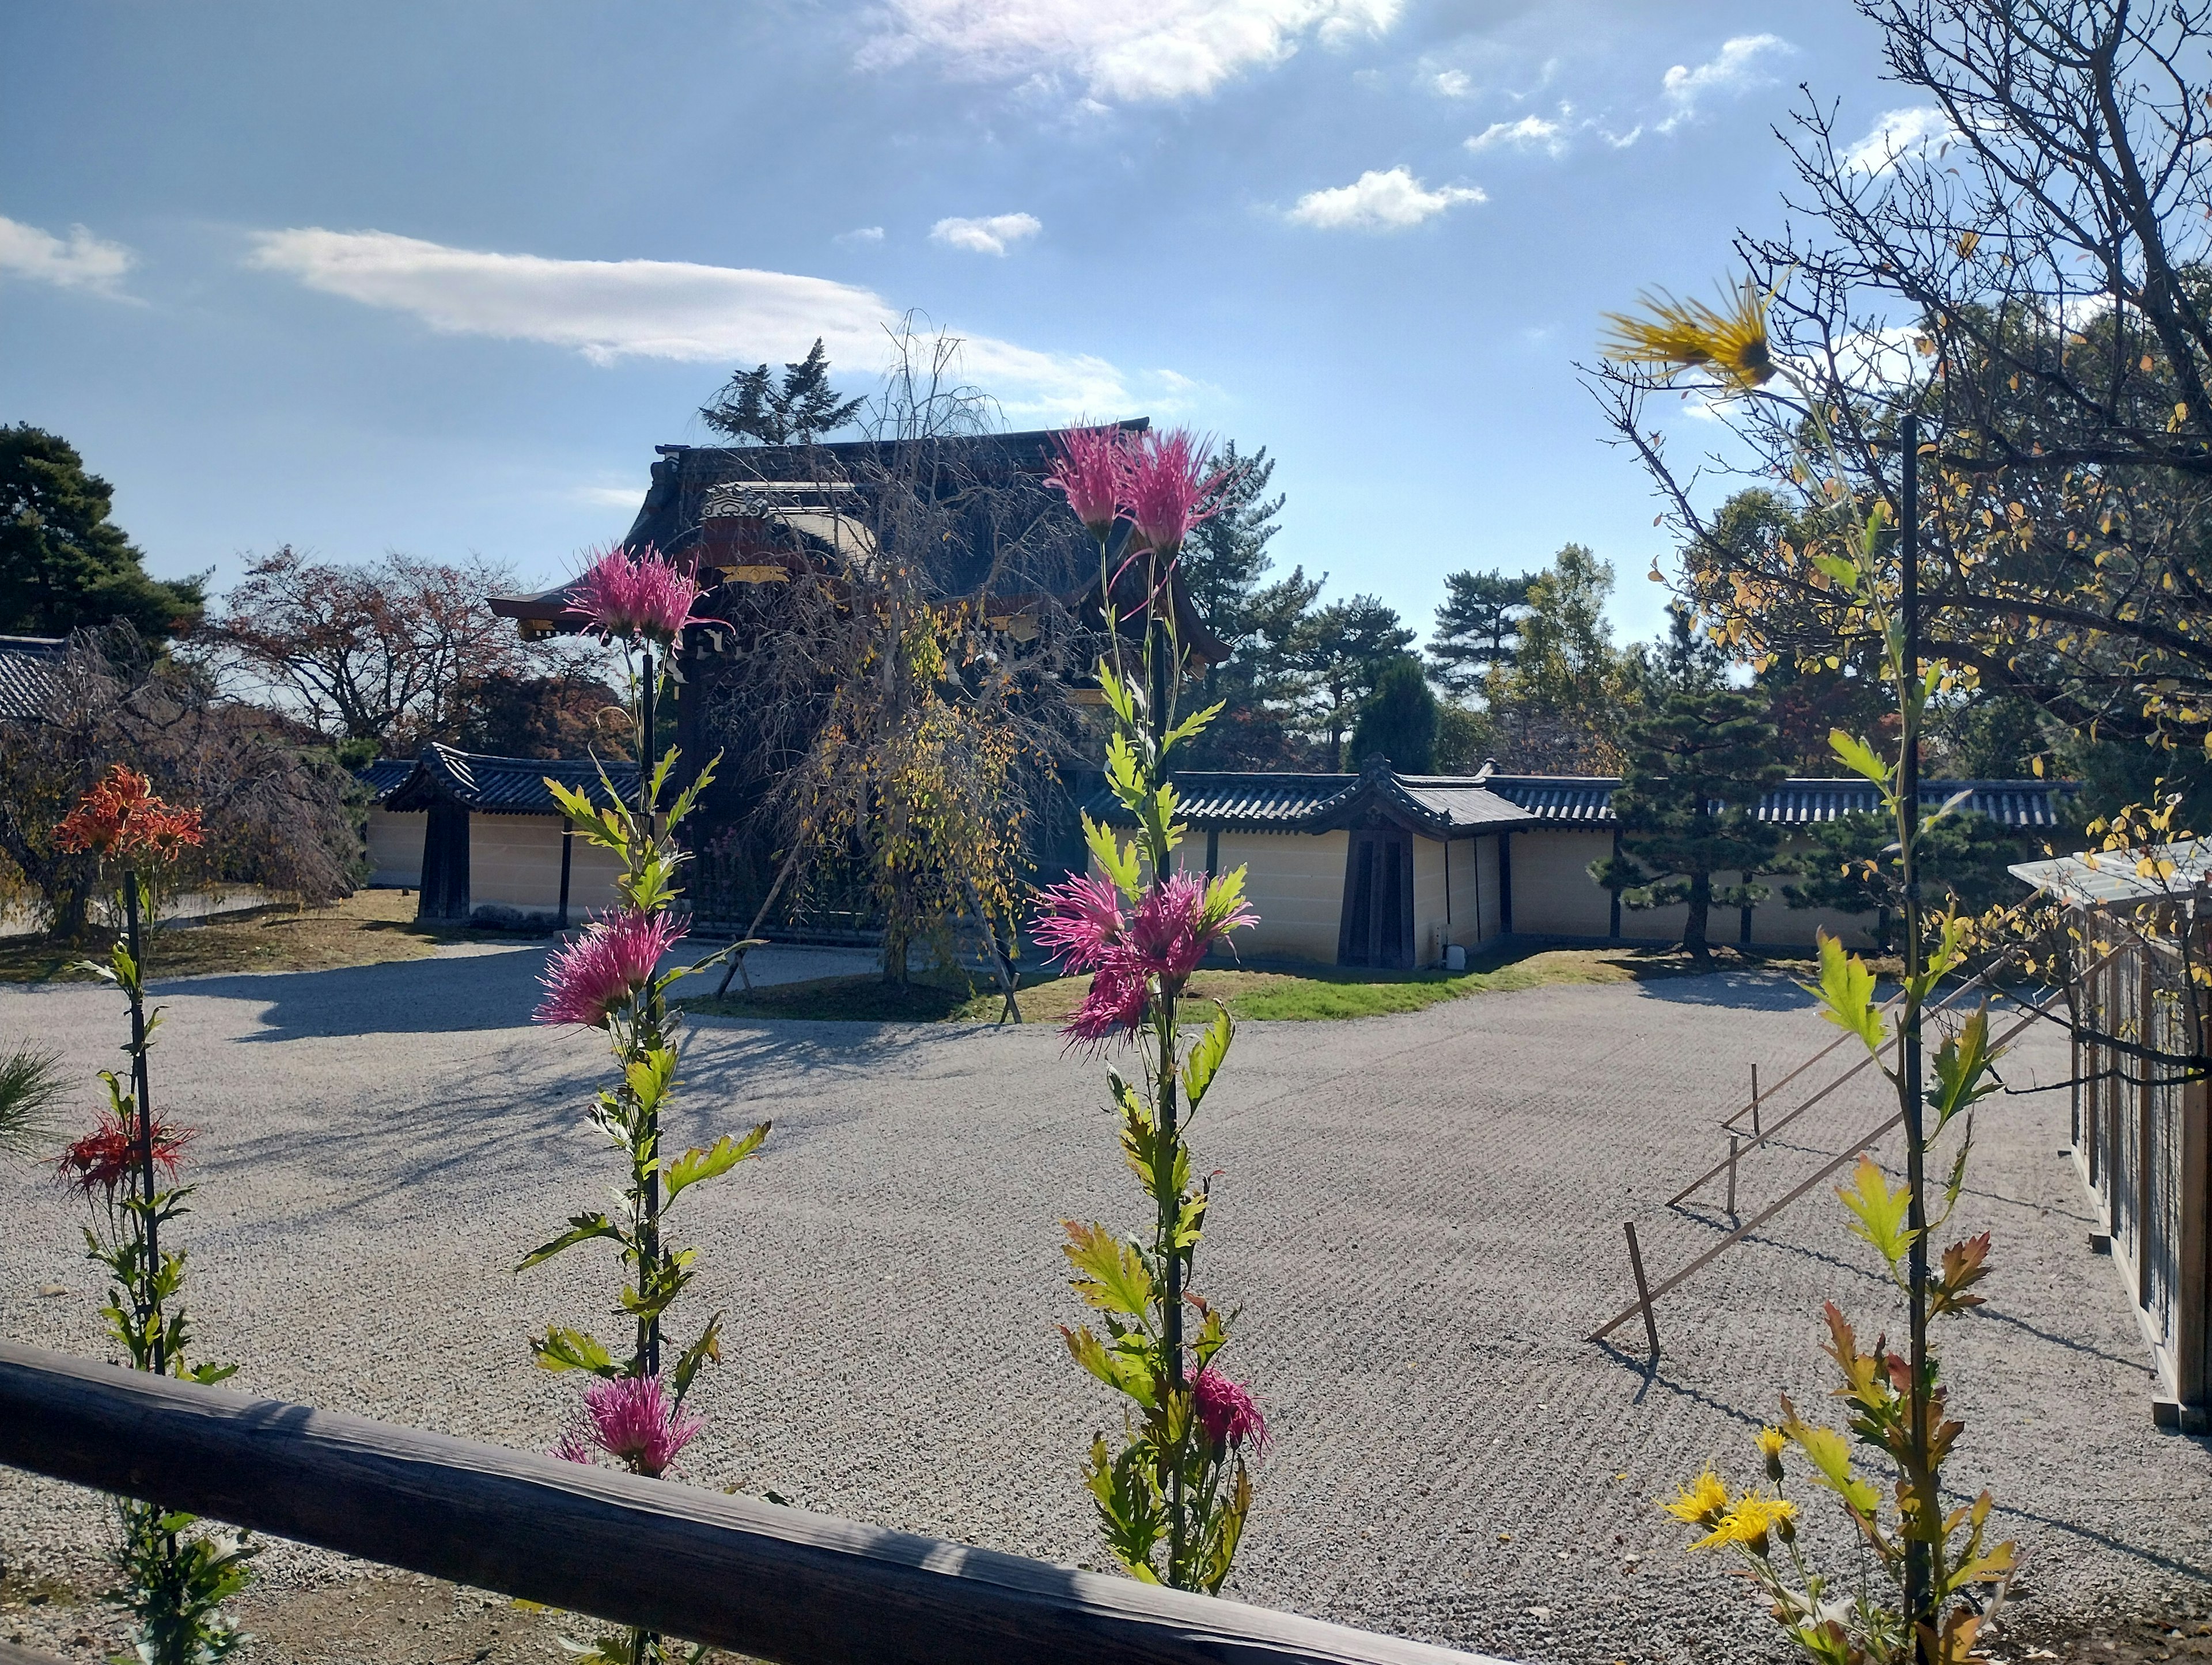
x=1506, y=882
x=567, y=848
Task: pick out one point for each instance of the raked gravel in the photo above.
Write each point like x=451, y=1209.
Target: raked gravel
x=1419, y=1217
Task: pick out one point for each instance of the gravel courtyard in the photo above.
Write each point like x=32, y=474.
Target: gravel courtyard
x=1419, y=1216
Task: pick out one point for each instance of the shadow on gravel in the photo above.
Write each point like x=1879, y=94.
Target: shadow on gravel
x=1748, y=991
x=406, y=997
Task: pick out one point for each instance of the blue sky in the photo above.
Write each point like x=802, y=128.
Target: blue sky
x=437, y=278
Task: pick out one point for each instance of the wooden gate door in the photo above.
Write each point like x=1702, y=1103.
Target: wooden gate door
x=1376, y=925
x=445, y=864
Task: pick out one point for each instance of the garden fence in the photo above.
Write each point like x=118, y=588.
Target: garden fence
x=780, y=1584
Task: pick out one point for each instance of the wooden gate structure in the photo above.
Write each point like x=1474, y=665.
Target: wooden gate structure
x=2142, y=1100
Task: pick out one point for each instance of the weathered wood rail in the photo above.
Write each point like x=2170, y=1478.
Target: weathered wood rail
x=779, y=1583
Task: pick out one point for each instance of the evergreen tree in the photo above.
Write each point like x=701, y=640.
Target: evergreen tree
x=1699, y=762
x=752, y=407
x=1263, y=682
x=1963, y=857
x=64, y=565
x=1561, y=704
x=1477, y=628
x=1347, y=646
x=1399, y=719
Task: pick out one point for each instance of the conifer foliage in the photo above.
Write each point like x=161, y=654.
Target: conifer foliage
x=1699, y=759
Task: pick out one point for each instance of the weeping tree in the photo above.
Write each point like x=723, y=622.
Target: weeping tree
x=898, y=747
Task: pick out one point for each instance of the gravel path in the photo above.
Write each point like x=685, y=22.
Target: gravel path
x=1419, y=1215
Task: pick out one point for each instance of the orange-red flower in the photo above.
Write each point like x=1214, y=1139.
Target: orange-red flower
x=105, y=1158
x=121, y=815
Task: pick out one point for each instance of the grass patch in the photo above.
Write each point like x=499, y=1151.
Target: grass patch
x=1306, y=994
x=367, y=928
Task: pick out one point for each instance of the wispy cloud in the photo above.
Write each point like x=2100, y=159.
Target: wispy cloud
x=1377, y=201
x=627, y=497
x=1172, y=49
x=993, y=234
x=610, y=310
x=1734, y=68
x=81, y=261
x=1529, y=133
x=1451, y=83
x=1896, y=135
x=859, y=237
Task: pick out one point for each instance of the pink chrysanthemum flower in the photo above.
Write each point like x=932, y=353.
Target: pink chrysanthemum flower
x=1115, y=1004
x=1092, y=473
x=1080, y=921
x=1178, y=920
x=1172, y=930
x=640, y=595
x=613, y=958
x=1168, y=481
x=1228, y=1412
x=632, y=1420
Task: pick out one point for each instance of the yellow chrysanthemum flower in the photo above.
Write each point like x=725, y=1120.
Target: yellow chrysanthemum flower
x=1674, y=336
x=1702, y=1502
x=1748, y=1523
x=1772, y=1442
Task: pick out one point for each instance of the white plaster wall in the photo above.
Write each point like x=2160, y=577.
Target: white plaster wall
x=1296, y=884
x=395, y=848
x=514, y=864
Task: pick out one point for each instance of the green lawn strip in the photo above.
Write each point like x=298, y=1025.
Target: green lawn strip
x=1308, y=994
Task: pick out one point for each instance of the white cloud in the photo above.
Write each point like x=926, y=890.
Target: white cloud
x=83, y=262
x=1379, y=202
x=1735, y=68
x=993, y=234
x=610, y=310
x=859, y=237
x=1529, y=133
x=627, y=497
x=1450, y=83
x=1896, y=135
x=1168, y=49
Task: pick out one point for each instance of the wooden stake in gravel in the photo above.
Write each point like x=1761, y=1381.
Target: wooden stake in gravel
x=1643, y=1289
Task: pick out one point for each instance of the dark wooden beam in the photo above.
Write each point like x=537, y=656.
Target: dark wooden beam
x=781, y=1584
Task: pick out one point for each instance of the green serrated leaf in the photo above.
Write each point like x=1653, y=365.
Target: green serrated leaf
x=1845, y=992
x=1878, y=1210
x=717, y=1158
x=1206, y=1056
x=571, y=1350
x=1859, y=757
x=1114, y=1275
x=583, y=1228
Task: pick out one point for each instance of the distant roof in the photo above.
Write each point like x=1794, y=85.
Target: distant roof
x=747, y=514
x=1486, y=801
x=504, y=786
x=2099, y=881
x=386, y=775
x=1435, y=803
x=26, y=673
x=1587, y=800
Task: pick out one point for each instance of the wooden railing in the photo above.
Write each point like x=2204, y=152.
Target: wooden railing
x=781, y=1584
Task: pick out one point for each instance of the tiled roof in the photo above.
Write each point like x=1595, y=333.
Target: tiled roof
x=1252, y=801
x=385, y=776
x=504, y=786
x=1464, y=803
x=1587, y=800
x=1316, y=803
x=27, y=666
x=2100, y=881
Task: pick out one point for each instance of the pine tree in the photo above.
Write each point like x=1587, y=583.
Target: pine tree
x=64, y=565
x=1699, y=762
x=1348, y=645
x=805, y=407
x=1399, y=719
x=1477, y=627
x=1263, y=682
